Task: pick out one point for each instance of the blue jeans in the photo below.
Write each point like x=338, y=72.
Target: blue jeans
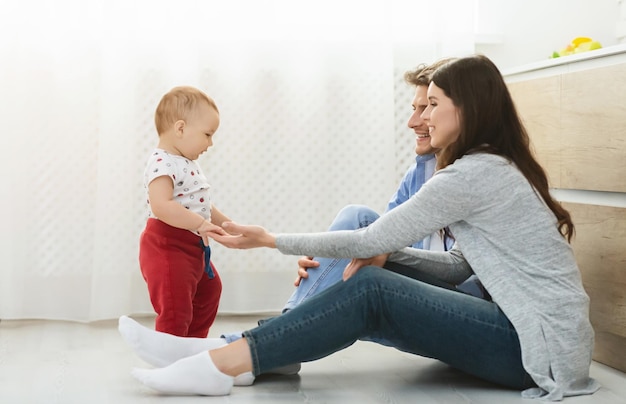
x=330, y=271
x=470, y=334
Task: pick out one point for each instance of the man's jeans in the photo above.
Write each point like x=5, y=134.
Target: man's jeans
x=330, y=271
x=470, y=334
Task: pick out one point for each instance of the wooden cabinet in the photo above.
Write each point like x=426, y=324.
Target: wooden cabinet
x=575, y=111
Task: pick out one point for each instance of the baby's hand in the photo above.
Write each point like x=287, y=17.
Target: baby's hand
x=244, y=237
x=207, y=228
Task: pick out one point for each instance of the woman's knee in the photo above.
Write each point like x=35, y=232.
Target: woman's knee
x=370, y=274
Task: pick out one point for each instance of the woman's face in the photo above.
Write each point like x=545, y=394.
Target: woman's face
x=442, y=118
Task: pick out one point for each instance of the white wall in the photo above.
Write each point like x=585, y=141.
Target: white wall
x=82, y=79
x=529, y=30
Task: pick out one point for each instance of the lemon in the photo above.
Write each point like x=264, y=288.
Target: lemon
x=581, y=39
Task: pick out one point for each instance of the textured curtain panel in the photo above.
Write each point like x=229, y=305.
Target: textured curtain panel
x=306, y=127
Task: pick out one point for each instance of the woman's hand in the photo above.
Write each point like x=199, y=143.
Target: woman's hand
x=243, y=236
x=358, y=263
x=206, y=229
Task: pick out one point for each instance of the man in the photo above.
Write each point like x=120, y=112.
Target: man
x=327, y=271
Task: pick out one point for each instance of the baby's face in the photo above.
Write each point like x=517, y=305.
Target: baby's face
x=198, y=132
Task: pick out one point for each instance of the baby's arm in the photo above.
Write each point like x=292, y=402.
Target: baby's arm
x=217, y=217
x=163, y=205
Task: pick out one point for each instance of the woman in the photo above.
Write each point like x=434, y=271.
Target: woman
x=534, y=336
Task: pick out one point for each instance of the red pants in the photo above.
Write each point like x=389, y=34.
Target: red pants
x=183, y=296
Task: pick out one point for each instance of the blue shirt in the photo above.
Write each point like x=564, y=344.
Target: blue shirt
x=413, y=179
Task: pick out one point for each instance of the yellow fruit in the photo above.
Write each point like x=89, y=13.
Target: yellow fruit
x=594, y=45
x=581, y=39
x=587, y=46
x=578, y=45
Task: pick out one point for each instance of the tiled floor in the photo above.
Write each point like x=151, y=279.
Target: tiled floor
x=72, y=363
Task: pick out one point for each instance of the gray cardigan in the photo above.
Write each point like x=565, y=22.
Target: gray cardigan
x=511, y=241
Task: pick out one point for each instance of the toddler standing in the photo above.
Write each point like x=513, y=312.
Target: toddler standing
x=174, y=253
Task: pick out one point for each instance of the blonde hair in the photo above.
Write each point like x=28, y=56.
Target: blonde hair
x=422, y=74
x=179, y=104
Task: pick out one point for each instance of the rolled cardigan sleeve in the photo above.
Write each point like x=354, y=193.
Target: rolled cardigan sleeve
x=449, y=266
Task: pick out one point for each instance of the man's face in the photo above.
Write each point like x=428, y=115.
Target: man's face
x=422, y=139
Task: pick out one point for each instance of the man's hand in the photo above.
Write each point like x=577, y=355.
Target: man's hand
x=233, y=235
x=304, y=264
x=358, y=263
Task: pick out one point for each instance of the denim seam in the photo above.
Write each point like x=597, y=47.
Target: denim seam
x=312, y=291
x=377, y=290
x=445, y=310
x=252, y=342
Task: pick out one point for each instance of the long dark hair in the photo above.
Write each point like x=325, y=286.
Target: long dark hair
x=490, y=123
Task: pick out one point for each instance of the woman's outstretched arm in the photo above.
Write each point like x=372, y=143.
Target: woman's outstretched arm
x=244, y=236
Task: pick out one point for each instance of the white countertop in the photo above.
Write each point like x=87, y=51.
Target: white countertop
x=616, y=50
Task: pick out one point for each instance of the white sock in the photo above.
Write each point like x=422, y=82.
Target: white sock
x=193, y=375
x=162, y=349
x=244, y=379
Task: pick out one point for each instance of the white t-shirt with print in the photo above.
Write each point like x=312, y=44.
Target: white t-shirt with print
x=191, y=188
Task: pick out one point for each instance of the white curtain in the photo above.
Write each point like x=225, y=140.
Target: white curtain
x=312, y=108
